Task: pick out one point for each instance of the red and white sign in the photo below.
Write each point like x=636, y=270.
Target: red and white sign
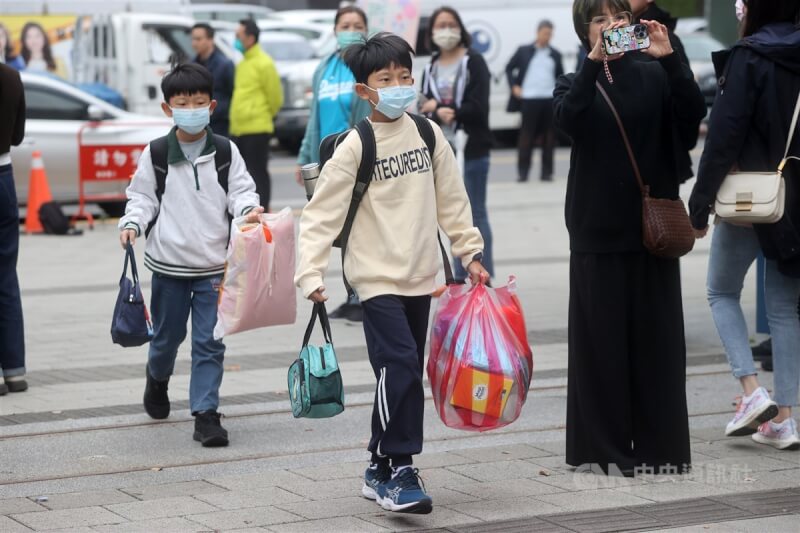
x=109, y=162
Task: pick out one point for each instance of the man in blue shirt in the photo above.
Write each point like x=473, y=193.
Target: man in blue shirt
x=221, y=69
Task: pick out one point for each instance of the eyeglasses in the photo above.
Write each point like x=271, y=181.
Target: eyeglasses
x=604, y=20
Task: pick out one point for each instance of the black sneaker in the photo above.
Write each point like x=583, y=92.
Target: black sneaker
x=156, y=399
x=766, y=364
x=16, y=384
x=3, y=389
x=208, y=431
x=763, y=351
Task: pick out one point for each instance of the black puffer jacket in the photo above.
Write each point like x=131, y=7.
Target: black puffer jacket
x=758, y=89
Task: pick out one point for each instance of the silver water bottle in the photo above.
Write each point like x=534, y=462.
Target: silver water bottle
x=310, y=173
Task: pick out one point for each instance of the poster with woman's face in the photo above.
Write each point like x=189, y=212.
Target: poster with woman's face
x=37, y=43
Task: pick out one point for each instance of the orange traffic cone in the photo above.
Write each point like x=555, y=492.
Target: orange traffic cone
x=38, y=194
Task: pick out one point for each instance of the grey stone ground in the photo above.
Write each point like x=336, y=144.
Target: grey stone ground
x=79, y=455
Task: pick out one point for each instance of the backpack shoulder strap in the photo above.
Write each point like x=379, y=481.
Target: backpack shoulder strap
x=158, y=157
x=426, y=132
x=222, y=160
x=363, y=177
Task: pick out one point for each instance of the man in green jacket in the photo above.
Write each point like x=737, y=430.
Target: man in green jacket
x=257, y=98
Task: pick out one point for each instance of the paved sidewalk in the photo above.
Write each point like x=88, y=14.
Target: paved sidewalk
x=79, y=455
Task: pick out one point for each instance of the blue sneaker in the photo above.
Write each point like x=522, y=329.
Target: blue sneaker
x=381, y=473
x=404, y=494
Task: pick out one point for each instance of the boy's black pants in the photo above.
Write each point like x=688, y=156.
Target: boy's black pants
x=396, y=328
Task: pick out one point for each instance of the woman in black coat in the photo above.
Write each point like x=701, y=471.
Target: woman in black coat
x=748, y=130
x=455, y=94
x=626, y=395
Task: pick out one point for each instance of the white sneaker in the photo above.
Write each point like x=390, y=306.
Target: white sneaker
x=752, y=411
x=782, y=436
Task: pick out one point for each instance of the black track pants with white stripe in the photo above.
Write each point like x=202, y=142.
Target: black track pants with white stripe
x=396, y=328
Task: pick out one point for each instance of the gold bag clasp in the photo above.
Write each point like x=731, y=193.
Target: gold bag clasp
x=744, y=201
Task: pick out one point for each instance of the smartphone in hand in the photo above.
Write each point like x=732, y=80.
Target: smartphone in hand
x=626, y=39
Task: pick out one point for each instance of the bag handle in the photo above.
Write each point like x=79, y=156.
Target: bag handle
x=318, y=311
x=793, y=127
x=134, y=271
x=642, y=187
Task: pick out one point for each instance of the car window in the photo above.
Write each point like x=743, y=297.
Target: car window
x=281, y=50
x=167, y=43
x=48, y=104
x=302, y=32
x=699, y=47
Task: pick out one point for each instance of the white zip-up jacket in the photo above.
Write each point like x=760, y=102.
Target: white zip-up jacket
x=190, y=237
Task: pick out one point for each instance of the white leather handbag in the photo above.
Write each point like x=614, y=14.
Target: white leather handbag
x=756, y=197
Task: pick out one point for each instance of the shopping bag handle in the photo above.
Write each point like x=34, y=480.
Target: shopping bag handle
x=134, y=271
x=318, y=311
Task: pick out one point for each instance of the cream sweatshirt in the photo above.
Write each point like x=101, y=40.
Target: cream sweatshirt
x=393, y=246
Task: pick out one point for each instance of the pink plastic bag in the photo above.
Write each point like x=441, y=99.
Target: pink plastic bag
x=258, y=288
x=480, y=363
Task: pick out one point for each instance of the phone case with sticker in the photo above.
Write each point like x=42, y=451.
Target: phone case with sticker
x=626, y=39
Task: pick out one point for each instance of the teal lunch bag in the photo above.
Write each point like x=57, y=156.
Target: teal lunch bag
x=315, y=383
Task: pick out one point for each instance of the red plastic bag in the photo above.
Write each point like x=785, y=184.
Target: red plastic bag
x=480, y=363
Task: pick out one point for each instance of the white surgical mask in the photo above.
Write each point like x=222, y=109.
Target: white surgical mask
x=191, y=120
x=446, y=38
x=393, y=101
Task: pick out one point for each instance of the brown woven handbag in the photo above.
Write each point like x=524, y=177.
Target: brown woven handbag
x=666, y=228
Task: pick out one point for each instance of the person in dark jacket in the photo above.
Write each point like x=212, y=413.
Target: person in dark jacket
x=748, y=130
x=12, y=339
x=626, y=391
x=455, y=91
x=532, y=73
x=648, y=10
x=221, y=69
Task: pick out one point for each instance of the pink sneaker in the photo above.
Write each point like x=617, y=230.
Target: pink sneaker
x=782, y=436
x=752, y=411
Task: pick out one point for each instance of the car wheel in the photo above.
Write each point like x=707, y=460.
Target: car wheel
x=113, y=209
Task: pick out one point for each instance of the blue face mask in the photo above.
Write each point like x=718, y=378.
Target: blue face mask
x=346, y=38
x=191, y=120
x=393, y=101
x=239, y=46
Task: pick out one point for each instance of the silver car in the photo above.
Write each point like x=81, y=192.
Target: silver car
x=56, y=114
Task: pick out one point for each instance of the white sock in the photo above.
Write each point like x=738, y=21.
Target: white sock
x=397, y=469
x=10, y=379
x=778, y=424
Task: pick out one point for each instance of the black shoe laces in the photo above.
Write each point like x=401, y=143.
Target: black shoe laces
x=409, y=478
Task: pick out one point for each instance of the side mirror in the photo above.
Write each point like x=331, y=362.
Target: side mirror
x=95, y=113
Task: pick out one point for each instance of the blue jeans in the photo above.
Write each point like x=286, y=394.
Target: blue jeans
x=171, y=301
x=12, y=339
x=733, y=250
x=476, y=174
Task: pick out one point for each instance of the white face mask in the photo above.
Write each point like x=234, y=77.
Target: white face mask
x=446, y=38
x=740, y=10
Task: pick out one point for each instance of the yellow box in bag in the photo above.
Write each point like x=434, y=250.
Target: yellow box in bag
x=480, y=391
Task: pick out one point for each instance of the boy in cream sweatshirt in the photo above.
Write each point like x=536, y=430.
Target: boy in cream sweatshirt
x=392, y=256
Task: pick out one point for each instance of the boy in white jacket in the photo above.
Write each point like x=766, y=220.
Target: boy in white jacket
x=186, y=248
x=392, y=256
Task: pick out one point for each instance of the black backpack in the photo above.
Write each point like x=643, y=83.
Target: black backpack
x=158, y=156
x=369, y=152
x=53, y=219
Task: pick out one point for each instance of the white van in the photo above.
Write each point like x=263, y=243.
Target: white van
x=498, y=28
